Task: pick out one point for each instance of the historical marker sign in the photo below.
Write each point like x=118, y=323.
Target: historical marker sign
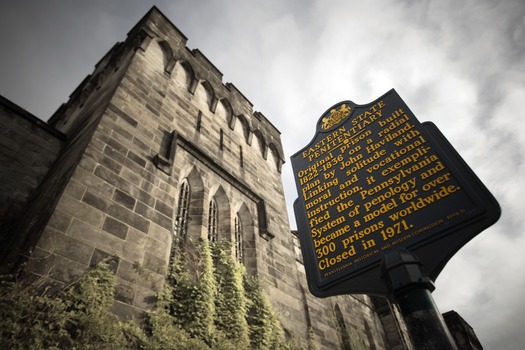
x=374, y=178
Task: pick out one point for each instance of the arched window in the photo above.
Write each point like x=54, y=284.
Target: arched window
x=344, y=336
x=239, y=244
x=181, y=217
x=212, y=221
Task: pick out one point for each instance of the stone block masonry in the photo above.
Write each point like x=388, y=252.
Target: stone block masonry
x=28, y=149
x=144, y=148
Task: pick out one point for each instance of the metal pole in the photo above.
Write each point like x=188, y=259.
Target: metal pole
x=411, y=289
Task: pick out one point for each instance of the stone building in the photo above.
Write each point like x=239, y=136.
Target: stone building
x=461, y=331
x=152, y=148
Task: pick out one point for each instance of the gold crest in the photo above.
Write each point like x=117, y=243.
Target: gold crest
x=335, y=117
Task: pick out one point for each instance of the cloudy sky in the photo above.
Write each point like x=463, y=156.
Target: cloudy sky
x=459, y=64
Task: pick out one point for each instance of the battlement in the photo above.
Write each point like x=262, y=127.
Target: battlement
x=153, y=149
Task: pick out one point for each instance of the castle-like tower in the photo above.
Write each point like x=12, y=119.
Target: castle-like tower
x=153, y=148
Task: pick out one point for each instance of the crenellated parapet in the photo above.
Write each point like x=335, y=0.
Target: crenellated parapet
x=156, y=29
x=150, y=151
x=200, y=71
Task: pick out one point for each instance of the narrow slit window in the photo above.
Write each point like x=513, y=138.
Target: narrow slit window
x=241, y=159
x=199, y=121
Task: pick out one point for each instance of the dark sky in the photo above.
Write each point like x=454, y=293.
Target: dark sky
x=459, y=64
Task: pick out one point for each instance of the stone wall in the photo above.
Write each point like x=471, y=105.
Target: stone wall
x=168, y=118
x=152, y=116
x=28, y=148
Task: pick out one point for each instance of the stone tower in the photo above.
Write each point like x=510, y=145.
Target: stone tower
x=153, y=148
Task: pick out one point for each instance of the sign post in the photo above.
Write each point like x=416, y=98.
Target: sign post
x=374, y=181
x=410, y=288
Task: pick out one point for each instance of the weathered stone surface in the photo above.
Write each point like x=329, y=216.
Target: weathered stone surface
x=28, y=148
x=106, y=198
x=115, y=227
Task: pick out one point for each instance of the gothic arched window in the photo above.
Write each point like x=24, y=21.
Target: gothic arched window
x=239, y=247
x=181, y=217
x=212, y=221
x=344, y=336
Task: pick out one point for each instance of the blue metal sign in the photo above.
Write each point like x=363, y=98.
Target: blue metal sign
x=374, y=178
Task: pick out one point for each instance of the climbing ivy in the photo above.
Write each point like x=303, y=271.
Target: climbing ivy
x=193, y=290
x=311, y=342
x=208, y=302
x=265, y=329
x=32, y=316
x=230, y=301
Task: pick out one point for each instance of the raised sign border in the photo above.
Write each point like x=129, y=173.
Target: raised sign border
x=434, y=252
